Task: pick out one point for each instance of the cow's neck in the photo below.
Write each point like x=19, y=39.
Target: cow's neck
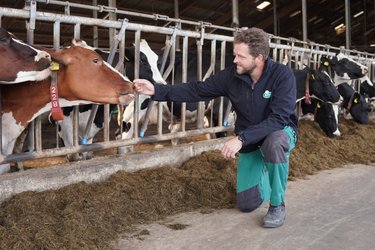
x=25, y=99
x=21, y=103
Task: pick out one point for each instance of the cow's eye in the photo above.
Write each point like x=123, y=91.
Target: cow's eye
x=96, y=60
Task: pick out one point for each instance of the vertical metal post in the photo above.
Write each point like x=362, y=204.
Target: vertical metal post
x=185, y=50
x=275, y=23
x=221, y=102
x=347, y=25
x=304, y=21
x=30, y=25
x=56, y=35
x=235, y=19
x=112, y=16
x=137, y=41
x=199, y=77
x=95, y=42
x=77, y=35
x=178, y=25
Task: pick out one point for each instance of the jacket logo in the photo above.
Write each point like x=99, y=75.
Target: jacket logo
x=267, y=94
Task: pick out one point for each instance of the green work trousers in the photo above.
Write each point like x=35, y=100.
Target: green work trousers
x=263, y=174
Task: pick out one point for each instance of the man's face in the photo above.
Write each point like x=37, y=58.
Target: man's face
x=245, y=62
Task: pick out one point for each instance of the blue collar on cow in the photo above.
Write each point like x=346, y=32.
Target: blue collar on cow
x=56, y=110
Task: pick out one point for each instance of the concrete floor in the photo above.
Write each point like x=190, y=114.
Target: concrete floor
x=334, y=209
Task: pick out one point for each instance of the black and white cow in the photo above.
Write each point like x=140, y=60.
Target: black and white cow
x=344, y=68
x=147, y=70
x=354, y=103
x=318, y=96
x=316, y=83
x=325, y=114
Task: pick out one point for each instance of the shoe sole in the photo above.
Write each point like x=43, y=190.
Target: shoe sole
x=267, y=225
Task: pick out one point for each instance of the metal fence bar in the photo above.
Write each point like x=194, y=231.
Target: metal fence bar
x=112, y=144
x=111, y=9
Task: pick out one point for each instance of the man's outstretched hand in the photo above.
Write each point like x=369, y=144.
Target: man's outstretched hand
x=143, y=86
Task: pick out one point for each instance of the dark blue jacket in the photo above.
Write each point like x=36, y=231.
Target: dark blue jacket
x=261, y=108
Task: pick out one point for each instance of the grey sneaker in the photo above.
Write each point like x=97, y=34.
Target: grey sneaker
x=275, y=216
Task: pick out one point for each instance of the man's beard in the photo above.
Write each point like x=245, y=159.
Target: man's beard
x=244, y=71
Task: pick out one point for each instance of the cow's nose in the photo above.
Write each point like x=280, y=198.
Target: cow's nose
x=42, y=55
x=340, y=100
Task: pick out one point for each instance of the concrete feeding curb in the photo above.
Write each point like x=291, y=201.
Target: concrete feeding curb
x=99, y=169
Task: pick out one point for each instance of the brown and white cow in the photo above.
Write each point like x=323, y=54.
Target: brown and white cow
x=83, y=77
x=147, y=69
x=19, y=62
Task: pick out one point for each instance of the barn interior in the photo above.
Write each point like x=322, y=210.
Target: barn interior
x=325, y=21
x=91, y=204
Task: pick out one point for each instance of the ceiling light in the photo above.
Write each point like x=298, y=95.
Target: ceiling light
x=358, y=14
x=263, y=5
x=372, y=45
x=295, y=13
x=340, y=29
x=340, y=26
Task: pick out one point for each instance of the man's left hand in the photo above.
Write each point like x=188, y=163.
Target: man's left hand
x=231, y=148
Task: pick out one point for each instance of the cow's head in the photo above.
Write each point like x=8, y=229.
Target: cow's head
x=318, y=84
x=20, y=62
x=344, y=67
x=321, y=85
x=83, y=73
x=367, y=88
x=325, y=114
x=360, y=109
x=355, y=103
x=327, y=117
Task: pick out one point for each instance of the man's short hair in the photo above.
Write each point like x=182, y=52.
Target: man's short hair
x=256, y=39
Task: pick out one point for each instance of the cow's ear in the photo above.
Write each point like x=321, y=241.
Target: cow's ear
x=356, y=98
x=81, y=43
x=318, y=105
x=334, y=60
x=57, y=56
